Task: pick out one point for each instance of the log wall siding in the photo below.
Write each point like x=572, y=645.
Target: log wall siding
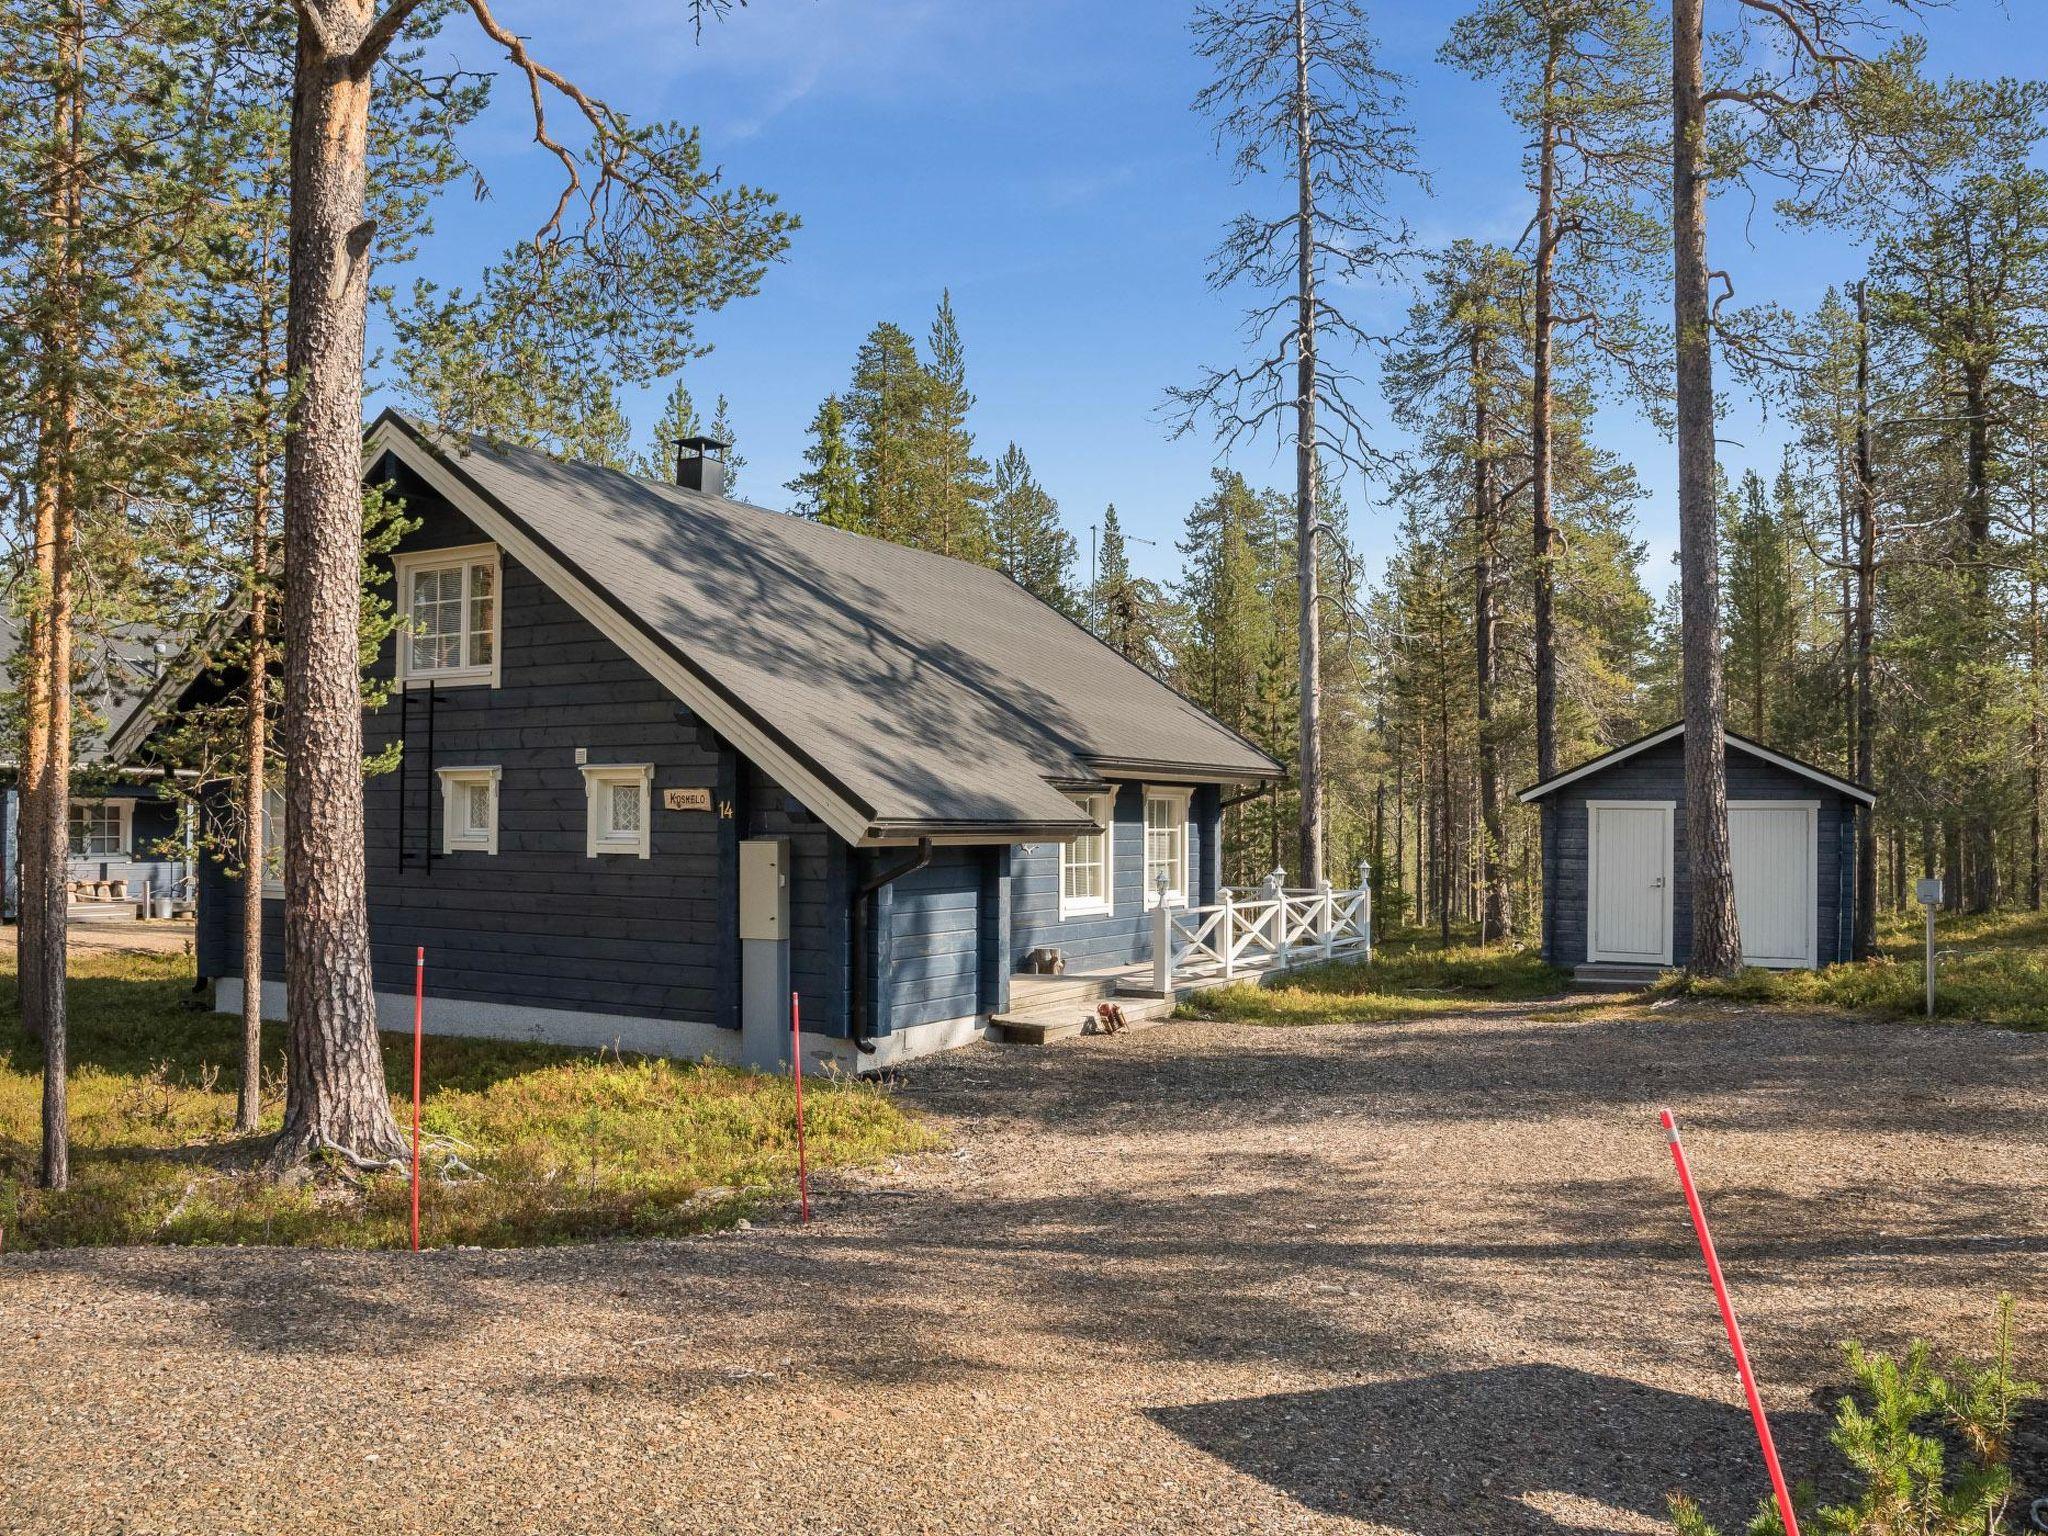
x=1124, y=935
x=540, y=923
x=1659, y=774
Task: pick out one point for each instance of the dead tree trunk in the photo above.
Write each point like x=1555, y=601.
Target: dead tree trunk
x=1716, y=937
x=1308, y=535
x=336, y=1099
x=1865, y=766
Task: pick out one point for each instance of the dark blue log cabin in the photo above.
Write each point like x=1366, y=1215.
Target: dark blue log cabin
x=667, y=757
x=1617, y=885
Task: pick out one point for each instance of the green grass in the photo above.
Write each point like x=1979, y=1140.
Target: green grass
x=567, y=1145
x=1410, y=977
x=1991, y=969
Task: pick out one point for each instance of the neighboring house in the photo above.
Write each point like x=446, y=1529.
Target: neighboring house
x=1617, y=890
x=123, y=828
x=669, y=757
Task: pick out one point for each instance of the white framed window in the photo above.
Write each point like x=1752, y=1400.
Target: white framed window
x=273, y=841
x=100, y=828
x=619, y=799
x=449, y=598
x=1086, y=868
x=469, y=810
x=1166, y=845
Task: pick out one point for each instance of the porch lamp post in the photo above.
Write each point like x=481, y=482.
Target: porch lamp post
x=1162, y=938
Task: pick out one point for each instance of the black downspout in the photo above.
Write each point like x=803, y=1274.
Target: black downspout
x=862, y=903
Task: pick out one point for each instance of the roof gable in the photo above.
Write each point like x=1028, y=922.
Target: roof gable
x=1735, y=742
x=897, y=693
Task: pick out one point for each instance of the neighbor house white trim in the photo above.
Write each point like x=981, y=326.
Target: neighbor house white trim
x=124, y=818
x=457, y=835
x=599, y=836
x=1178, y=798
x=1101, y=804
x=1670, y=876
x=467, y=558
x=849, y=820
x=1811, y=959
x=1738, y=743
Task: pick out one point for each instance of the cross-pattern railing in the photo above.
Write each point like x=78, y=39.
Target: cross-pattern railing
x=1274, y=928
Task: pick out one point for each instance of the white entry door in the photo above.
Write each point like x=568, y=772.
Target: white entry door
x=1628, y=896
x=1773, y=847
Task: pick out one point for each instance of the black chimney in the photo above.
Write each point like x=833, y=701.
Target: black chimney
x=700, y=464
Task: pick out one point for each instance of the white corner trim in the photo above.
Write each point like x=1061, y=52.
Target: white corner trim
x=455, y=837
x=1183, y=798
x=831, y=806
x=404, y=563
x=1105, y=904
x=598, y=777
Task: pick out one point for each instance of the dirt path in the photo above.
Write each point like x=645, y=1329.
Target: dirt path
x=1429, y=1277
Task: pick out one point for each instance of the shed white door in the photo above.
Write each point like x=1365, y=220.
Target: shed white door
x=1628, y=897
x=1773, y=847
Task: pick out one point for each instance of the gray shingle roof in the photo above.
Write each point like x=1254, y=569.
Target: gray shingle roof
x=930, y=691
x=118, y=687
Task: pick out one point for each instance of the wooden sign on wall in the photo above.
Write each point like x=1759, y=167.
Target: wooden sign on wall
x=686, y=799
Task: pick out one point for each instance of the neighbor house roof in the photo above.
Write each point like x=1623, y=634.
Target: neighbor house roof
x=1674, y=732
x=132, y=676
x=897, y=693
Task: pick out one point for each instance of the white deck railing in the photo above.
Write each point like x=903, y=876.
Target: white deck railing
x=1275, y=928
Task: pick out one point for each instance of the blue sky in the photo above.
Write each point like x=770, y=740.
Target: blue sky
x=1040, y=159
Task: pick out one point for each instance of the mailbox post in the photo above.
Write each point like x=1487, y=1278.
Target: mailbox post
x=1928, y=894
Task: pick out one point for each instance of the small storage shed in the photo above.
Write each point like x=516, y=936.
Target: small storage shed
x=1617, y=878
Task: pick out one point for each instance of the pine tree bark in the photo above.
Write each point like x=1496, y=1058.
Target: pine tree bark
x=1716, y=937
x=1308, y=542
x=1979, y=892
x=1865, y=634
x=335, y=1096
x=256, y=747
x=35, y=755
x=1495, y=916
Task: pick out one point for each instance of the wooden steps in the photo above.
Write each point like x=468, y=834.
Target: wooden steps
x=1615, y=978
x=1044, y=1008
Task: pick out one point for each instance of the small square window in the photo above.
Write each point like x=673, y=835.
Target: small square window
x=99, y=828
x=618, y=796
x=469, y=810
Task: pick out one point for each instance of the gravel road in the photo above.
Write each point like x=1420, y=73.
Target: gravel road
x=1429, y=1277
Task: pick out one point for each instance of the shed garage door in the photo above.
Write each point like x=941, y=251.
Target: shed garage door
x=1773, y=847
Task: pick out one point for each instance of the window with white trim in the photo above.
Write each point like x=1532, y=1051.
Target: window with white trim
x=619, y=800
x=450, y=601
x=99, y=828
x=273, y=841
x=1166, y=846
x=1085, y=869
x=469, y=810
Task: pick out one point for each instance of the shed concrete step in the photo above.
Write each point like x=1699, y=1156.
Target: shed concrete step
x=1615, y=978
x=1041, y=1024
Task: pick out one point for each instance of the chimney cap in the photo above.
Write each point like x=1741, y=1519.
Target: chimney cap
x=705, y=447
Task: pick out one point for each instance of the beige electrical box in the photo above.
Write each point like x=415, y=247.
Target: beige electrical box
x=764, y=888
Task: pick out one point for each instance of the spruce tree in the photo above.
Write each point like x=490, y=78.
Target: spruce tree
x=957, y=515
x=1027, y=541
x=829, y=491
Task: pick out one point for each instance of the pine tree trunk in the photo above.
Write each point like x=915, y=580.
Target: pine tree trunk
x=335, y=1097
x=1980, y=893
x=1308, y=538
x=1716, y=938
x=1495, y=917
x=35, y=756
x=1543, y=516
x=256, y=748
x=1865, y=766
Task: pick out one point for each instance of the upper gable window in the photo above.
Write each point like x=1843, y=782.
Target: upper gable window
x=449, y=598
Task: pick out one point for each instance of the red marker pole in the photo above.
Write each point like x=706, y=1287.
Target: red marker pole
x=419, y=1005
x=796, y=1070
x=1756, y=1403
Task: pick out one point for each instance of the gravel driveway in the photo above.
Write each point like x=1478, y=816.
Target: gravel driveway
x=1428, y=1277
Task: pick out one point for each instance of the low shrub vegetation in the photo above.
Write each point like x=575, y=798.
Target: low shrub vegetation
x=1991, y=969
x=1408, y=978
x=558, y=1145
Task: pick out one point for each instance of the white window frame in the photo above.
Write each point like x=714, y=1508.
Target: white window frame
x=1180, y=799
x=124, y=815
x=1102, y=806
x=467, y=557
x=273, y=840
x=456, y=834
x=598, y=780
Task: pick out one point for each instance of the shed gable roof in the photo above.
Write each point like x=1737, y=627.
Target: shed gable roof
x=1736, y=742
x=897, y=693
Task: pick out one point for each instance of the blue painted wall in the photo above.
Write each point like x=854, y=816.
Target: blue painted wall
x=1659, y=774
x=1124, y=936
